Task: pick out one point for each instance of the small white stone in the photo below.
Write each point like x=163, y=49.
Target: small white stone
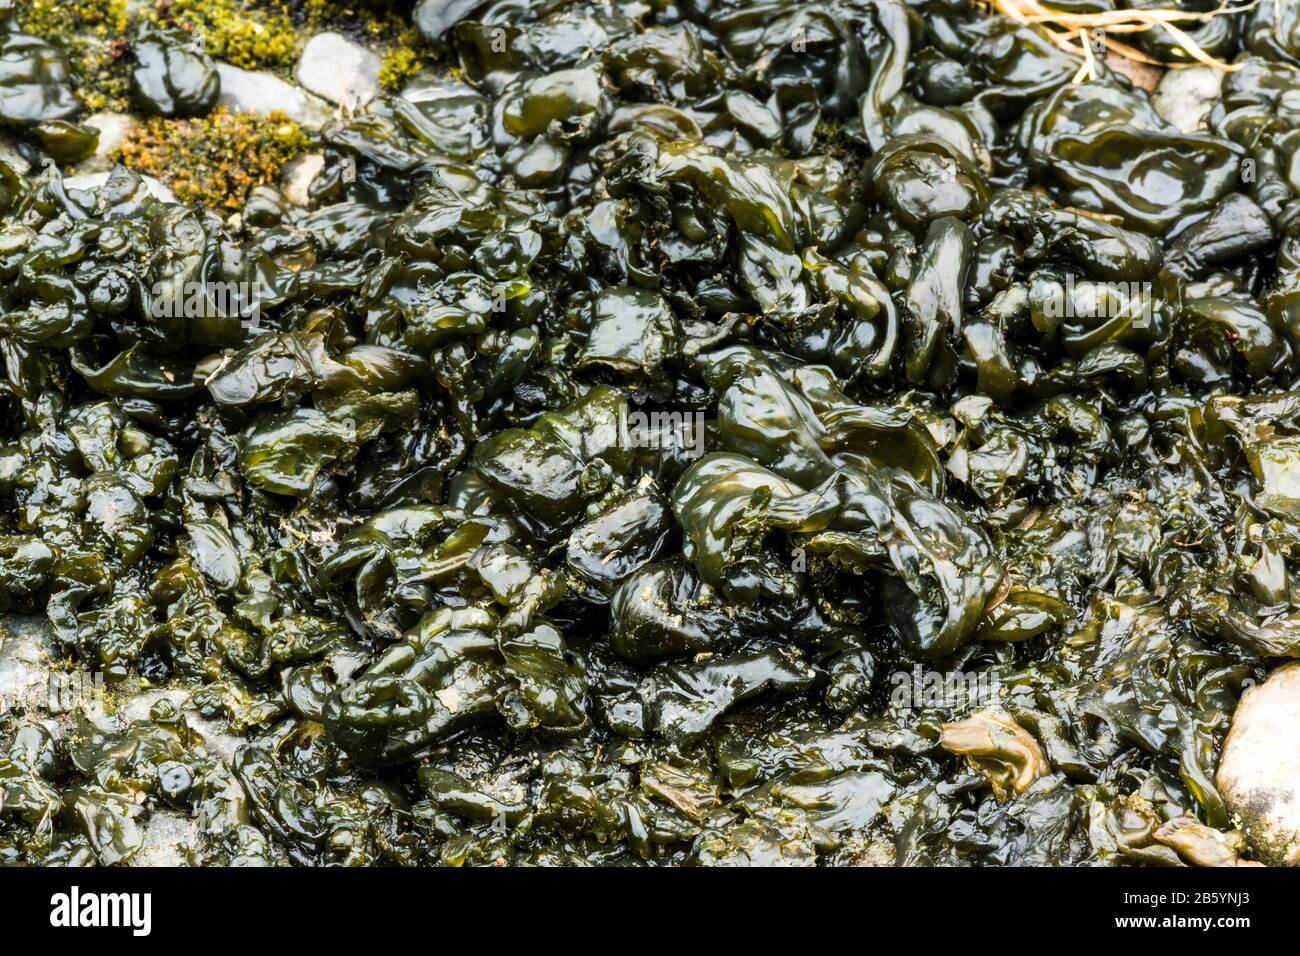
x=248, y=91
x=166, y=836
x=113, y=128
x=1259, y=770
x=343, y=72
x=298, y=176
x=1185, y=97
x=451, y=698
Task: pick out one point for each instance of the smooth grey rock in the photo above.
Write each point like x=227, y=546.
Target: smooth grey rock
x=297, y=177
x=249, y=91
x=113, y=128
x=335, y=68
x=1259, y=769
x=166, y=837
x=1185, y=97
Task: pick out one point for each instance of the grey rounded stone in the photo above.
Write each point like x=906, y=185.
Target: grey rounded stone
x=336, y=69
x=298, y=176
x=1259, y=770
x=113, y=131
x=249, y=91
x=1185, y=97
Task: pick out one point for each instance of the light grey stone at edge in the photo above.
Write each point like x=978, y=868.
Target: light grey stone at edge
x=335, y=68
x=1185, y=97
x=249, y=91
x=1259, y=767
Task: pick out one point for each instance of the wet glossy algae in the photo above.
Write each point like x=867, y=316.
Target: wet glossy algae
x=702, y=432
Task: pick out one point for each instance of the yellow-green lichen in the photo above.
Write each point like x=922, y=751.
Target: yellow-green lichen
x=399, y=65
x=248, y=35
x=376, y=20
x=94, y=36
x=270, y=34
x=215, y=160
